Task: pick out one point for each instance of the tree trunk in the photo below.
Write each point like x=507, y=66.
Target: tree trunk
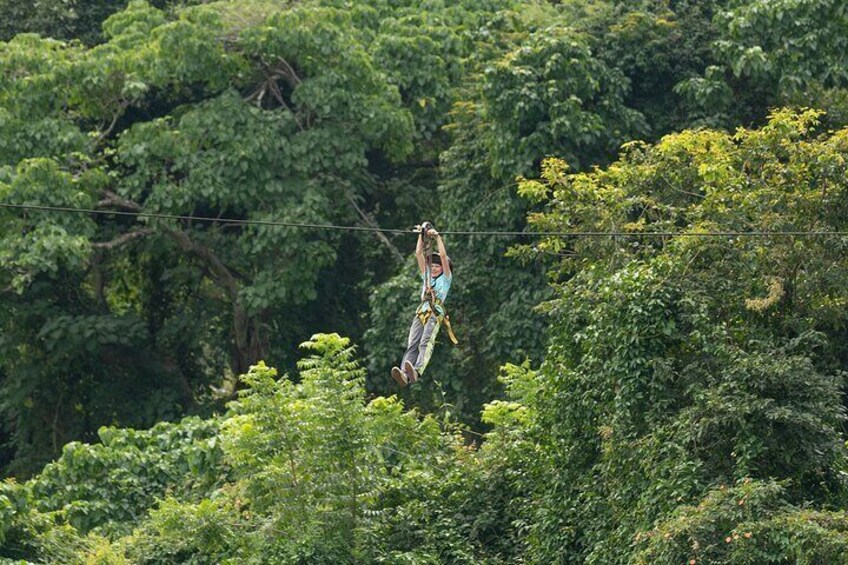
x=250, y=344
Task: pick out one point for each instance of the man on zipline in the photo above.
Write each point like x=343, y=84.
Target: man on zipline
x=435, y=269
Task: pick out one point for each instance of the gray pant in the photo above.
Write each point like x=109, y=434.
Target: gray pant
x=419, y=345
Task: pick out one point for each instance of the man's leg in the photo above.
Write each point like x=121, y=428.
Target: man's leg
x=416, y=330
x=425, y=347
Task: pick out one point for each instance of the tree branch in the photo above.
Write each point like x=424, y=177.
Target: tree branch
x=277, y=93
x=370, y=222
x=288, y=73
x=216, y=268
x=115, y=117
x=113, y=200
x=122, y=239
x=219, y=271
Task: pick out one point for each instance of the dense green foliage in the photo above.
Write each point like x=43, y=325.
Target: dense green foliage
x=208, y=113
x=682, y=366
x=293, y=473
x=767, y=53
x=671, y=392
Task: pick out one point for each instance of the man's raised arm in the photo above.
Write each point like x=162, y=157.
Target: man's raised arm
x=419, y=253
x=442, y=252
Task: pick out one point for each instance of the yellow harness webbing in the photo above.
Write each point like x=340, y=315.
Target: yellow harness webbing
x=424, y=315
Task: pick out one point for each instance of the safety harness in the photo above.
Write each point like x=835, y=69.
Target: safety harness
x=430, y=297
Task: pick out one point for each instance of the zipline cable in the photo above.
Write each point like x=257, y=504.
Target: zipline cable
x=230, y=221
x=329, y=227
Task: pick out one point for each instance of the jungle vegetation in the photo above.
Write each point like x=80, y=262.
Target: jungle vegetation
x=670, y=389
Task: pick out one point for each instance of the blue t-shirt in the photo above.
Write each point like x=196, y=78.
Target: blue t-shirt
x=440, y=286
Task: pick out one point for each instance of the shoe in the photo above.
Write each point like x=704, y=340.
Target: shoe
x=411, y=373
x=398, y=376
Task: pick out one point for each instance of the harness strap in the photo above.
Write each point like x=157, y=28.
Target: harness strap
x=424, y=315
x=450, y=330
